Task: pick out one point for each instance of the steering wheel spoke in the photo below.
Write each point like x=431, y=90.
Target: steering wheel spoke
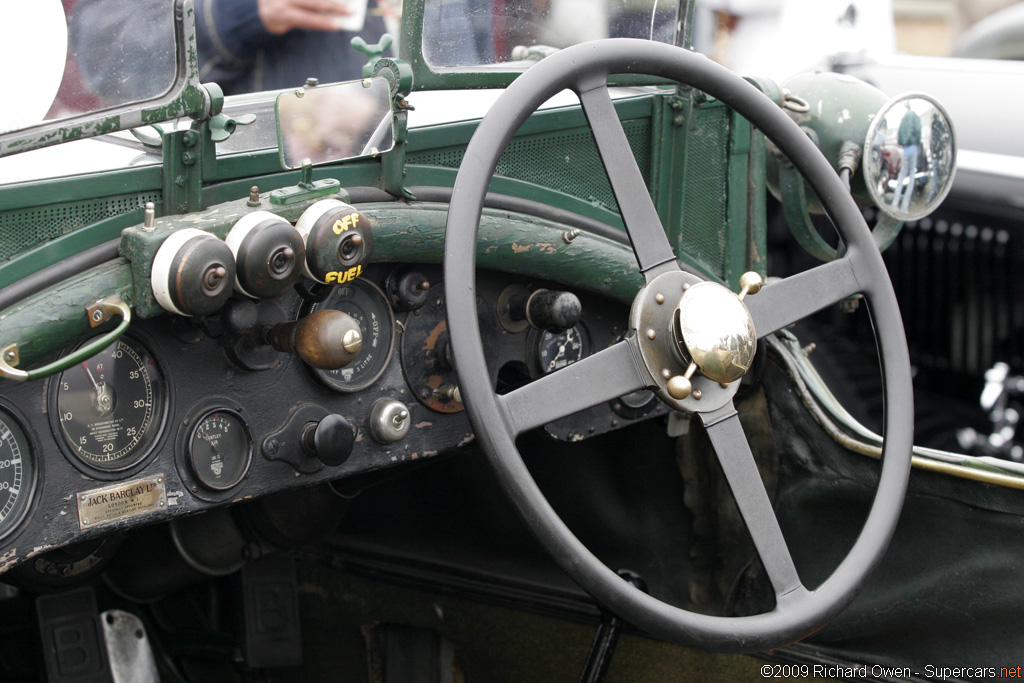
x=650, y=243
x=783, y=302
x=733, y=451
x=601, y=377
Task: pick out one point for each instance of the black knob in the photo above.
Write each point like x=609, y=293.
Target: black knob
x=547, y=309
x=330, y=440
x=193, y=273
x=338, y=240
x=408, y=289
x=269, y=253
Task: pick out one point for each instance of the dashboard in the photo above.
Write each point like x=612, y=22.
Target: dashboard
x=183, y=415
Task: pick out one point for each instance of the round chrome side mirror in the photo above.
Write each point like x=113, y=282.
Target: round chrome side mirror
x=909, y=156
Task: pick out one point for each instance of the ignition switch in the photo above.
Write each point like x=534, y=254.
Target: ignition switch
x=269, y=253
x=192, y=273
x=338, y=240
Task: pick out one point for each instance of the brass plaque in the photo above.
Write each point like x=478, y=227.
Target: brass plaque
x=121, y=501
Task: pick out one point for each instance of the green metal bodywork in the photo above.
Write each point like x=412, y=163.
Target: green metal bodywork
x=704, y=167
x=185, y=97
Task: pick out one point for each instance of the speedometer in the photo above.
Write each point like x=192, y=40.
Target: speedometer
x=111, y=406
x=17, y=473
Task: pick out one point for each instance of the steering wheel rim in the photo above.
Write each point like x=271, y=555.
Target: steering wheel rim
x=497, y=420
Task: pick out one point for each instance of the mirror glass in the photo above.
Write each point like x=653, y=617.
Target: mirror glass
x=471, y=32
x=909, y=156
x=335, y=122
x=71, y=57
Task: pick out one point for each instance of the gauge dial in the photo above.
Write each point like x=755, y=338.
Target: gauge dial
x=17, y=473
x=111, y=406
x=220, y=450
x=555, y=350
x=369, y=307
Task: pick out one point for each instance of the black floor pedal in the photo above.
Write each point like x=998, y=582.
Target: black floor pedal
x=270, y=608
x=73, y=644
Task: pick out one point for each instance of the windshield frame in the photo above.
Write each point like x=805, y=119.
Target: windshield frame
x=429, y=77
x=185, y=97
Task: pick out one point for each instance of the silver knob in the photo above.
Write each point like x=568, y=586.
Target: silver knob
x=389, y=420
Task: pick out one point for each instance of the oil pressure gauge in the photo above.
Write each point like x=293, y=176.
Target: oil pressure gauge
x=555, y=350
x=219, y=450
x=110, y=408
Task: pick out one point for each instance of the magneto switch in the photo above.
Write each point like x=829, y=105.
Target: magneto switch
x=192, y=273
x=269, y=254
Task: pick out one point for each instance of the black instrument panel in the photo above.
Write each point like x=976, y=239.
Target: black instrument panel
x=167, y=422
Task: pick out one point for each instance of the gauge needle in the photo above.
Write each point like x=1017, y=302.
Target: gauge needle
x=85, y=364
x=104, y=401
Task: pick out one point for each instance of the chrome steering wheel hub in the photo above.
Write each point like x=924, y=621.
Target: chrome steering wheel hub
x=665, y=353
x=717, y=331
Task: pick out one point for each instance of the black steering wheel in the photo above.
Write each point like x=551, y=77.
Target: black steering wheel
x=713, y=333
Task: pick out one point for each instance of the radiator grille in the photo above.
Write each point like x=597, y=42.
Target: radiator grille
x=961, y=304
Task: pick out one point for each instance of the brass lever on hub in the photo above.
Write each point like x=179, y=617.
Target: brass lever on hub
x=326, y=339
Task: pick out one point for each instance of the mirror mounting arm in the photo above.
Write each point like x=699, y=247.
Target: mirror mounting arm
x=398, y=73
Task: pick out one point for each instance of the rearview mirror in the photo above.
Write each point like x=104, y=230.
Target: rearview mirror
x=335, y=122
x=909, y=156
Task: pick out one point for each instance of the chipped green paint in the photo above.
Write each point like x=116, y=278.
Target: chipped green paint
x=55, y=318
x=184, y=98
x=508, y=242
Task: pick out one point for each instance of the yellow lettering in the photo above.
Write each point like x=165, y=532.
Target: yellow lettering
x=342, y=276
x=343, y=224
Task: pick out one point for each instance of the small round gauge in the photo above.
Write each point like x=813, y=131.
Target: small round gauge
x=367, y=304
x=17, y=473
x=111, y=407
x=555, y=350
x=219, y=450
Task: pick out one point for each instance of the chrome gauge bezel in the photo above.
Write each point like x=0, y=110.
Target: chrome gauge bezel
x=183, y=439
x=17, y=524
x=327, y=377
x=136, y=461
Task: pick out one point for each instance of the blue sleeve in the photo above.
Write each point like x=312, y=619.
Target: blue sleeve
x=229, y=34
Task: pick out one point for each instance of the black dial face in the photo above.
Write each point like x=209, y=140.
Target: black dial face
x=556, y=350
x=369, y=307
x=17, y=473
x=219, y=450
x=111, y=406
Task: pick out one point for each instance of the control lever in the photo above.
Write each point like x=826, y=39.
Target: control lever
x=546, y=309
x=607, y=637
x=327, y=339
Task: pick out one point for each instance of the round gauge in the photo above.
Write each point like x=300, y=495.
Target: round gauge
x=111, y=406
x=555, y=350
x=369, y=307
x=219, y=450
x=17, y=473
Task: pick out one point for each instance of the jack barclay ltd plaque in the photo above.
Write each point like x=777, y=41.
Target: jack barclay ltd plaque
x=121, y=501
